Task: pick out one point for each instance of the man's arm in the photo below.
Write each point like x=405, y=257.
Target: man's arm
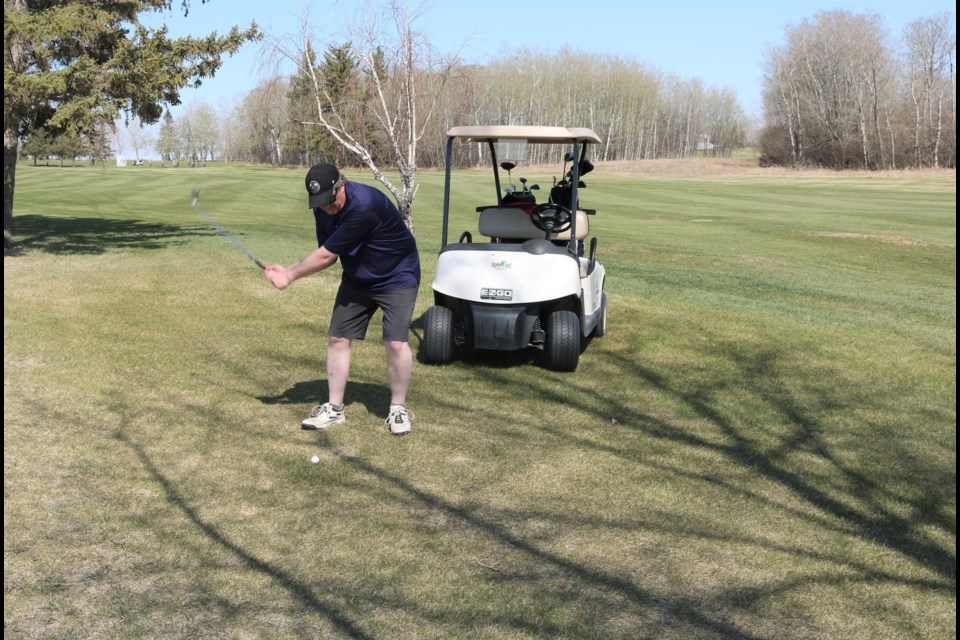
x=317, y=260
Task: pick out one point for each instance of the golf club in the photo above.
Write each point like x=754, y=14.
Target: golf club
x=195, y=201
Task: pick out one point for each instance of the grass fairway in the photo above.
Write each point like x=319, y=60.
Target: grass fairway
x=763, y=445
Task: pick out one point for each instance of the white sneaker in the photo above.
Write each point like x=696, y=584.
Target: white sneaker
x=322, y=417
x=399, y=421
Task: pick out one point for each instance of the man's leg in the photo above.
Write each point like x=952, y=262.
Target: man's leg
x=397, y=307
x=338, y=368
x=399, y=369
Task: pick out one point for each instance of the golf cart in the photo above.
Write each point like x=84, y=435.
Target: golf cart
x=525, y=282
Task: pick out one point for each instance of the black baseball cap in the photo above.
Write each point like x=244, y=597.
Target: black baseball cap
x=321, y=179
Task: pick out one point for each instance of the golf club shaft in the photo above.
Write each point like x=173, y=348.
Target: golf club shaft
x=223, y=232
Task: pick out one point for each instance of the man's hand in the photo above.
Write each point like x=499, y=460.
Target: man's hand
x=281, y=277
x=277, y=275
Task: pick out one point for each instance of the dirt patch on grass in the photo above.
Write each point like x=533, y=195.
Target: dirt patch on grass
x=703, y=168
x=900, y=240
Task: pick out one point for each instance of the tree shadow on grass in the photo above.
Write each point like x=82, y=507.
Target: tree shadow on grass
x=300, y=591
x=848, y=504
x=613, y=583
x=61, y=235
x=870, y=510
x=861, y=502
x=375, y=397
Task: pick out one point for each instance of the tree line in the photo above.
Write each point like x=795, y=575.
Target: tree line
x=638, y=112
x=839, y=93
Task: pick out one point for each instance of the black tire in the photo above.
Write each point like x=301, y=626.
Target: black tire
x=601, y=329
x=562, y=349
x=437, y=347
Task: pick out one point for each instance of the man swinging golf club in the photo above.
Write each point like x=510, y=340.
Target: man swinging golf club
x=359, y=226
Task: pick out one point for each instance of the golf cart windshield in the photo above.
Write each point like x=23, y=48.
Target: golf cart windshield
x=507, y=146
x=514, y=151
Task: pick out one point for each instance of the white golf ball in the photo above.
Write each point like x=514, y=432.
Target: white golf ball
x=315, y=459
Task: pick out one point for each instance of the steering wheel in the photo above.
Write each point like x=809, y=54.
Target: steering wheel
x=550, y=217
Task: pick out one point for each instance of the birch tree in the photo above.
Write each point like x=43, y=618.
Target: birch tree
x=397, y=61
x=931, y=49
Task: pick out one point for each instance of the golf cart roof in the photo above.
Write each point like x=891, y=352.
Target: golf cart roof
x=492, y=133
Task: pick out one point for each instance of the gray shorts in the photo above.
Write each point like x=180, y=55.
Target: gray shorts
x=353, y=310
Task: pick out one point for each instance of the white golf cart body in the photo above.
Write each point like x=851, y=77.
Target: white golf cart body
x=520, y=284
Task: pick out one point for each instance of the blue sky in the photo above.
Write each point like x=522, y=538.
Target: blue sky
x=720, y=42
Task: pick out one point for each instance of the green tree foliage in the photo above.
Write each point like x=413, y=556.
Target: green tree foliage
x=344, y=84
x=168, y=141
x=340, y=73
x=73, y=66
x=99, y=140
x=304, y=142
x=38, y=146
x=70, y=147
x=378, y=142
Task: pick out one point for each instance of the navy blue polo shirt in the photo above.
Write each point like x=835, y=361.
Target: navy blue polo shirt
x=377, y=251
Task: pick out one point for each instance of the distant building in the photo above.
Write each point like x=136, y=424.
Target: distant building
x=705, y=144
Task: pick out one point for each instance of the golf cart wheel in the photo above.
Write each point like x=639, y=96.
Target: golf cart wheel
x=562, y=349
x=601, y=329
x=437, y=344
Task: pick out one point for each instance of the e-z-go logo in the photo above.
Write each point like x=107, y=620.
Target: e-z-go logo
x=496, y=294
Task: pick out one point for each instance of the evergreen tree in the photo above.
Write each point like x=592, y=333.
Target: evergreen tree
x=73, y=66
x=38, y=146
x=340, y=73
x=303, y=139
x=340, y=77
x=168, y=140
x=69, y=147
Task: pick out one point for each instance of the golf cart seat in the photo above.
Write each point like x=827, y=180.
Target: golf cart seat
x=514, y=222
